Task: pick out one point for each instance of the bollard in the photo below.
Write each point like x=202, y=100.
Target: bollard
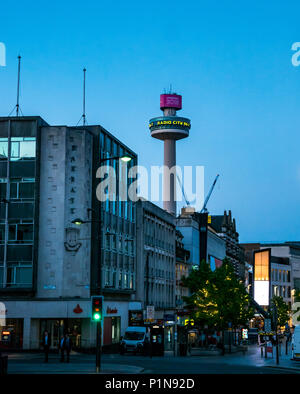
x=3, y=365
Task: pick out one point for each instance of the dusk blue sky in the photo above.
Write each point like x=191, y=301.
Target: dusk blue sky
x=230, y=60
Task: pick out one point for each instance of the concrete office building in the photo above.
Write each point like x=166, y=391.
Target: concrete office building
x=290, y=251
x=187, y=224
x=156, y=258
x=183, y=269
x=225, y=227
x=49, y=266
x=285, y=267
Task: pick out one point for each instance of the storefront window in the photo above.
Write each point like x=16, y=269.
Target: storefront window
x=58, y=327
x=112, y=330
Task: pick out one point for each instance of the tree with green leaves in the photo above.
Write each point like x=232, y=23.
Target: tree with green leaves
x=201, y=303
x=217, y=297
x=283, y=310
x=296, y=300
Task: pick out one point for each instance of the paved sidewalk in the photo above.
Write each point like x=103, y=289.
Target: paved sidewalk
x=253, y=357
x=32, y=363
x=54, y=366
x=58, y=368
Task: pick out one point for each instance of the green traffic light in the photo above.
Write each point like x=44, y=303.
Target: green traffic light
x=97, y=316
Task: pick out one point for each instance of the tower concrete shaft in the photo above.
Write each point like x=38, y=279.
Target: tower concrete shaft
x=169, y=181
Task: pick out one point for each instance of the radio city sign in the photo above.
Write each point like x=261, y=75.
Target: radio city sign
x=170, y=122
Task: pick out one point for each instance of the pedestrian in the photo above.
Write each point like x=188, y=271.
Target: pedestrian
x=65, y=345
x=202, y=339
x=46, y=344
x=150, y=346
x=61, y=348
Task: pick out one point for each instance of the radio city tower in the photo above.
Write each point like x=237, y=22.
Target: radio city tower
x=169, y=128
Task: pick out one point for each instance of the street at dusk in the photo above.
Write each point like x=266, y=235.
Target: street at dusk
x=149, y=192
x=251, y=363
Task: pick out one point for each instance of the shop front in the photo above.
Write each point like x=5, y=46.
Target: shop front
x=169, y=331
x=57, y=328
x=26, y=322
x=11, y=334
x=115, y=322
x=111, y=332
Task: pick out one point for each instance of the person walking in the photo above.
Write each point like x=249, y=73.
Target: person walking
x=46, y=344
x=65, y=345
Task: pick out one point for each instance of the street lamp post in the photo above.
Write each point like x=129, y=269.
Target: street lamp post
x=275, y=324
x=79, y=221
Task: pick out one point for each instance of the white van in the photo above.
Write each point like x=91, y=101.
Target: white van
x=296, y=344
x=134, y=340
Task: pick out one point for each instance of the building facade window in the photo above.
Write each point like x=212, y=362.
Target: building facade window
x=19, y=274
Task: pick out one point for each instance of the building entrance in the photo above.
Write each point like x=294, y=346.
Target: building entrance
x=58, y=327
x=11, y=335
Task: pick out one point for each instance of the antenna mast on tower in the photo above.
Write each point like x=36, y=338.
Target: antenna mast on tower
x=83, y=116
x=17, y=106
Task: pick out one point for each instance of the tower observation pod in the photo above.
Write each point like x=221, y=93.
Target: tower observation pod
x=169, y=128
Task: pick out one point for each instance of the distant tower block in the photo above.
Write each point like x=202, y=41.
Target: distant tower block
x=170, y=128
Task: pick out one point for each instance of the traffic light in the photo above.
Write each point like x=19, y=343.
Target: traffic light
x=97, y=303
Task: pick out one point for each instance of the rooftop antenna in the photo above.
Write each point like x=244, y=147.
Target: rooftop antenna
x=83, y=116
x=17, y=106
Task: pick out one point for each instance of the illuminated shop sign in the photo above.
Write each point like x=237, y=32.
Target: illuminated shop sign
x=262, y=277
x=170, y=122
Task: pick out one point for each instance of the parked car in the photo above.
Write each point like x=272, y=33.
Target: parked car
x=296, y=344
x=134, y=340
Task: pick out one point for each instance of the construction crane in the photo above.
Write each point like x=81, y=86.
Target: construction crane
x=182, y=189
x=204, y=210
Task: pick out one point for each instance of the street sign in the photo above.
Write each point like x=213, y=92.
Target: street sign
x=267, y=327
x=150, y=312
x=269, y=349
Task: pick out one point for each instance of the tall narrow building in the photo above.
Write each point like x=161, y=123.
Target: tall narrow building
x=169, y=128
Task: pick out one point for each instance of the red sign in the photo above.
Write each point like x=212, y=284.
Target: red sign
x=170, y=101
x=77, y=309
x=111, y=310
